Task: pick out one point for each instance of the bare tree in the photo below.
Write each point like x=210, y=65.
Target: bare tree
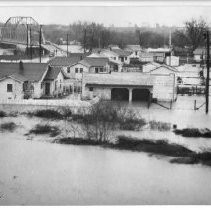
x=194, y=31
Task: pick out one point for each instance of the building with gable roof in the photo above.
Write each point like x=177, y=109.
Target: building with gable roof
x=20, y=80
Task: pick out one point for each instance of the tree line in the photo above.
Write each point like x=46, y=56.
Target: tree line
x=94, y=35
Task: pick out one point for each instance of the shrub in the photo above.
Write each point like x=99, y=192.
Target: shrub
x=48, y=113
x=161, y=126
x=77, y=141
x=161, y=147
x=3, y=114
x=45, y=129
x=132, y=124
x=193, y=132
x=10, y=126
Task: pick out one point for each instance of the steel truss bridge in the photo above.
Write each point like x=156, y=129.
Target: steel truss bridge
x=22, y=30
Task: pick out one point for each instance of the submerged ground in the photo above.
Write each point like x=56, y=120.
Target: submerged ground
x=36, y=172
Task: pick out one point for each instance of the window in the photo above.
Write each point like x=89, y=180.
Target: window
x=91, y=89
x=114, y=58
x=81, y=70
x=136, y=53
x=9, y=87
x=96, y=70
x=125, y=58
x=76, y=70
x=68, y=69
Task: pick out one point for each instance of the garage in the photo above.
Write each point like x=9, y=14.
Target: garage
x=119, y=94
x=140, y=95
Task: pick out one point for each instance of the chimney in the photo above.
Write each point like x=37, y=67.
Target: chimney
x=21, y=67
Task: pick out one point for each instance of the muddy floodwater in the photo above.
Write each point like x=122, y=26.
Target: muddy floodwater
x=37, y=172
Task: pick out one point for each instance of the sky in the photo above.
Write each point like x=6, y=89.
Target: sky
x=108, y=15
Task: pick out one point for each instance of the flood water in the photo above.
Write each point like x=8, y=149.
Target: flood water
x=36, y=172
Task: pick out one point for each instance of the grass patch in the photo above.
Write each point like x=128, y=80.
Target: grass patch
x=3, y=114
x=9, y=126
x=77, y=141
x=45, y=129
x=131, y=124
x=193, y=132
x=161, y=147
x=203, y=158
x=161, y=126
x=48, y=114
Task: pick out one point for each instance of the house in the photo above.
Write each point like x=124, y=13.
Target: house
x=65, y=62
x=22, y=80
x=130, y=87
x=118, y=57
x=134, y=49
x=90, y=65
x=54, y=82
x=199, y=54
x=159, y=54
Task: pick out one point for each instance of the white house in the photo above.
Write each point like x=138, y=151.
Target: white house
x=54, y=82
x=199, y=54
x=22, y=80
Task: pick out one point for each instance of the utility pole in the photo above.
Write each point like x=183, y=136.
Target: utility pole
x=27, y=39
x=208, y=71
x=85, y=40
x=40, y=41
x=30, y=35
x=67, y=45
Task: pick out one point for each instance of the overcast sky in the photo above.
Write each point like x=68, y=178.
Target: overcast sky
x=119, y=16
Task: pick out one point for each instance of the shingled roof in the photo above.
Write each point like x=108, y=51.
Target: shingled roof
x=66, y=61
x=93, y=61
x=53, y=73
x=120, y=52
x=30, y=71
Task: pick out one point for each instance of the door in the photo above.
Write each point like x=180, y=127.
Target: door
x=47, y=89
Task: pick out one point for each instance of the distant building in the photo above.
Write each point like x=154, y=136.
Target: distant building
x=172, y=60
x=159, y=54
x=199, y=54
x=134, y=49
x=146, y=57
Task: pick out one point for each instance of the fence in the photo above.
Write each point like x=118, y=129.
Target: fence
x=46, y=102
